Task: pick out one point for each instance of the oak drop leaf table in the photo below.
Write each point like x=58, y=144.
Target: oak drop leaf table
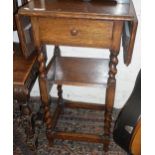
x=99, y=24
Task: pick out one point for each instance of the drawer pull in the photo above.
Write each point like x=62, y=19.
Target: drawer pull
x=74, y=32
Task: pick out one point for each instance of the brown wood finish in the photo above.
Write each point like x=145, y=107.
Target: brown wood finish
x=80, y=71
x=25, y=35
x=25, y=72
x=16, y=6
x=78, y=137
x=129, y=39
x=97, y=9
x=83, y=105
x=24, y=76
x=76, y=23
x=22, y=68
x=51, y=67
x=75, y=32
x=15, y=9
x=56, y=116
x=43, y=84
x=110, y=91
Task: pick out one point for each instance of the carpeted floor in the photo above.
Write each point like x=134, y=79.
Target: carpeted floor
x=85, y=121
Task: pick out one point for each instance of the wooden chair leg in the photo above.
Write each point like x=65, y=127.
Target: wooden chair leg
x=16, y=112
x=28, y=125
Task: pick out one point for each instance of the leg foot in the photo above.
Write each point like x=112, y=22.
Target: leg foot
x=106, y=146
x=28, y=125
x=50, y=138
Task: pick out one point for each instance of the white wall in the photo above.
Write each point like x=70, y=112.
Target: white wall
x=125, y=77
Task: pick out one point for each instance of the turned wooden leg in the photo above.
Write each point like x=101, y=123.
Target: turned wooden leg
x=110, y=95
x=16, y=112
x=60, y=99
x=27, y=123
x=44, y=95
x=57, y=53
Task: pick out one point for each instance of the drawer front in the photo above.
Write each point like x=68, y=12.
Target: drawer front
x=76, y=32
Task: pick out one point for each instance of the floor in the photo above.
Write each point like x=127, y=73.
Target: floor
x=85, y=121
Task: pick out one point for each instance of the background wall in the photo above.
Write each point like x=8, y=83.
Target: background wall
x=125, y=77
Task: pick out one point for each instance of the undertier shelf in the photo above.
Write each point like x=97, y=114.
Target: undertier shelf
x=78, y=71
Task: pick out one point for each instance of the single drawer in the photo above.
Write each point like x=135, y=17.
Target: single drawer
x=76, y=32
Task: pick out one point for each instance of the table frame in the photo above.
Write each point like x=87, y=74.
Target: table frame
x=117, y=31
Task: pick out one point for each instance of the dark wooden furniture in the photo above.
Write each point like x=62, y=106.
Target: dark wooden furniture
x=25, y=73
x=99, y=24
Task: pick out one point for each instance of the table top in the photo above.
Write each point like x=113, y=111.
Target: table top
x=95, y=9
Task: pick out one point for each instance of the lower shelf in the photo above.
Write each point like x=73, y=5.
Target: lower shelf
x=70, y=134
x=79, y=71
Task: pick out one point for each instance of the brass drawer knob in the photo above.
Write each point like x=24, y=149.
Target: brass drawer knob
x=74, y=32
